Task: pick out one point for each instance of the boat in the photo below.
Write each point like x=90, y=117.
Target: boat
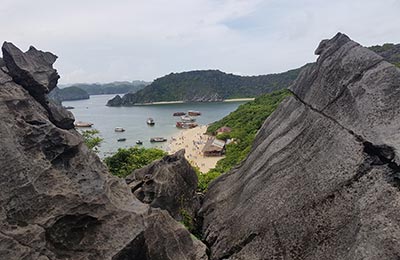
x=83, y=124
x=150, y=121
x=119, y=129
x=121, y=140
x=69, y=107
x=186, y=125
x=138, y=142
x=158, y=139
x=179, y=114
x=194, y=113
x=187, y=119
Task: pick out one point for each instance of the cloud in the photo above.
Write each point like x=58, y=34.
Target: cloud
x=100, y=41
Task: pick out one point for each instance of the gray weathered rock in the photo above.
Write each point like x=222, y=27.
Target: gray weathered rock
x=60, y=116
x=169, y=183
x=33, y=70
x=57, y=199
x=322, y=180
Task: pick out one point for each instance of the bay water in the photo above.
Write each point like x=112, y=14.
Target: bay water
x=133, y=120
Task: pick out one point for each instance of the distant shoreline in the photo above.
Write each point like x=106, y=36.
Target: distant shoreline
x=238, y=99
x=181, y=102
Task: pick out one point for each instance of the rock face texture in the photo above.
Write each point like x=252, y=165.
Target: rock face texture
x=169, y=183
x=322, y=180
x=57, y=200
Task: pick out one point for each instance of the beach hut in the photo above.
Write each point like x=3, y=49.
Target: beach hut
x=214, y=147
x=224, y=129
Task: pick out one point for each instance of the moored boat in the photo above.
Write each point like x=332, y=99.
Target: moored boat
x=194, y=113
x=186, y=125
x=83, y=124
x=179, y=114
x=138, y=142
x=150, y=121
x=187, y=119
x=158, y=139
x=119, y=129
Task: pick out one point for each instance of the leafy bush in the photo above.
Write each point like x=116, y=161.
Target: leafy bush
x=91, y=139
x=205, y=179
x=126, y=160
x=224, y=136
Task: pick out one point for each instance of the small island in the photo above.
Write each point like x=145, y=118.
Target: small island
x=205, y=86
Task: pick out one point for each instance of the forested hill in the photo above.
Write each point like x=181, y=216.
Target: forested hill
x=70, y=93
x=206, y=86
x=117, y=87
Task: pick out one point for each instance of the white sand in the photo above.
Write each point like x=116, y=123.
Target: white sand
x=193, y=141
x=238, y=99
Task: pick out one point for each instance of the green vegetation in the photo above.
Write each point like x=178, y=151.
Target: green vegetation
x=245, y=122
x=118, y=87
x=382, y=48
x=209, y=85
x=389, y=51
x=187, y=220
x=91, y=139
x=126, y=160
x=206, y=178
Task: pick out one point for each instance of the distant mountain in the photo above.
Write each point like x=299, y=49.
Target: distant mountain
x=117, y=87
x=69, y=93
x=206, y=86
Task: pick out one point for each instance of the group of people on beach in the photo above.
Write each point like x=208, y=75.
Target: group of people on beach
x=193, y=141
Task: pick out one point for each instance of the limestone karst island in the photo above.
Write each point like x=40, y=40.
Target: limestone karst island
x=200, y=130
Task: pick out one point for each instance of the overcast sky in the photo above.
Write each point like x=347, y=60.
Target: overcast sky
x=104, y=40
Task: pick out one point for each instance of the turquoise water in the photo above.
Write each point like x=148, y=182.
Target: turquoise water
x=133, y=120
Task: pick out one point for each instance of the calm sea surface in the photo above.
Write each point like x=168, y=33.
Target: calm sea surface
x=133, y=120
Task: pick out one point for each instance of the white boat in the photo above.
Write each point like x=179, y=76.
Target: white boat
x=158, y=139
x=186, y=125
x=187, y=119
x=83, y=124
x=119, y=129
x=150, y=121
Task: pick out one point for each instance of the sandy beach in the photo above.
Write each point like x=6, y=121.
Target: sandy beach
x=238, y=99
x=181, y=101
x=193, y=141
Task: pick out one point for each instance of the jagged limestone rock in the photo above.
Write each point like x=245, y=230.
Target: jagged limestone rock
x=169, y=183
x=57, y=199
x=33, y=69
x=322, y=180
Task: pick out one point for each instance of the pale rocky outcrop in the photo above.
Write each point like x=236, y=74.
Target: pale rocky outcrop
x=322, y=180
x=57, y=199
